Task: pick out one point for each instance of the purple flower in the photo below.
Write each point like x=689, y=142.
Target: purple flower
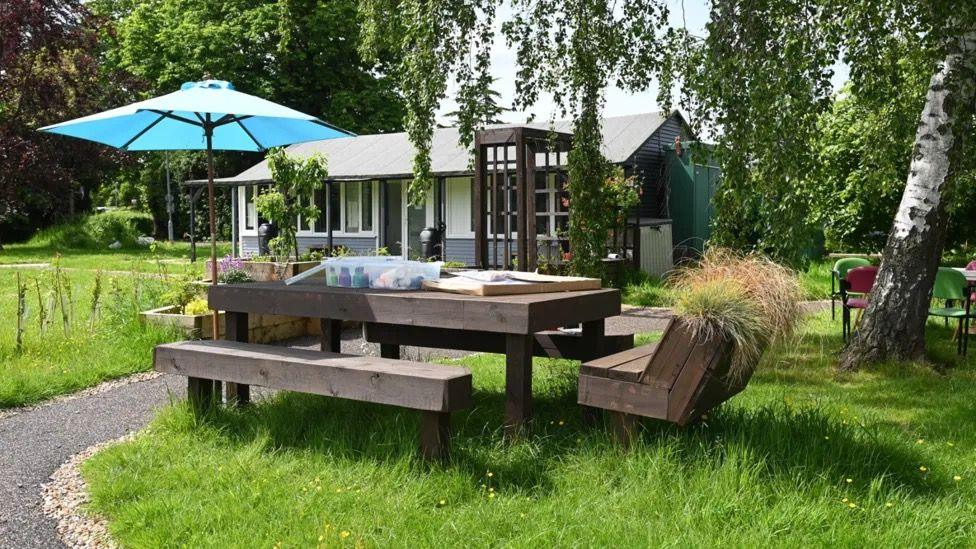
x=228, y=263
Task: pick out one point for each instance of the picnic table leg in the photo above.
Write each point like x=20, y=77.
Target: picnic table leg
x=235, y=329
x=594, y=333
x=435, y=434
x=331, y=335
x=389, y=350
x=518, y=380
x=200, y=394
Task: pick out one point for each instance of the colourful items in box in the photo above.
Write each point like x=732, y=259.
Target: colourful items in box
x=379, y=273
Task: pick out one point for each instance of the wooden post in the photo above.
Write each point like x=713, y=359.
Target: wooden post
x=388, y=350
x=235, y=329
x=531, y=239
x=518, y=380
x=625, y=427
x=521, y=200
x=480, y=213
x=331, y=335
x=200, y=394
x=435, y=435
x=594, y=342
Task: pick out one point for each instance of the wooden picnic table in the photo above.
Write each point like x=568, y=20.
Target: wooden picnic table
x=520, y=326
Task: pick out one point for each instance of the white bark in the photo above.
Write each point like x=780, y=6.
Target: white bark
x=894, y=323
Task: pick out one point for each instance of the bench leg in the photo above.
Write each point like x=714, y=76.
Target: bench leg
x=518, y=381
x=331, y=335
x=200, y=394
x=435, y=435
x=624, y=427
x=236, y=326
x=389, y=350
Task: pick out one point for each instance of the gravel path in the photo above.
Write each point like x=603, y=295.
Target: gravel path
x=34, y=442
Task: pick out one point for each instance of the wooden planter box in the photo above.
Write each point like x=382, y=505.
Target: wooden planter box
x=677, y=379
x=261, y=328
x=269, y=271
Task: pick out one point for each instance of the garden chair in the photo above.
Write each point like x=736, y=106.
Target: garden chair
x=858, y=280
x=837, y=276
x=952, y=286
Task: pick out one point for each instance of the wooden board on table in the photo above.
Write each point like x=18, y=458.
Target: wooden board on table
x=528, y=283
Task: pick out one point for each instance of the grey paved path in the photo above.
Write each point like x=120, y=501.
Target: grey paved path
x=35, y=442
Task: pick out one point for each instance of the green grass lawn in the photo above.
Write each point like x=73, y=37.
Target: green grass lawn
x=173, y=257
x=55, y=361
x=802, y=457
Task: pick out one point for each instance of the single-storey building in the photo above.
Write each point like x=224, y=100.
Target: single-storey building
x=365, y=207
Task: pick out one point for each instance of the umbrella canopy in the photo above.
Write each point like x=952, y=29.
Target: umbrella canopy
x=208, y=115
x=177, y=121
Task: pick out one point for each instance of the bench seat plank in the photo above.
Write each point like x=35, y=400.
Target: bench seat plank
x=416, y=385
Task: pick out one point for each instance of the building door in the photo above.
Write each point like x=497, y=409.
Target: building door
x=417, y=218
x=393, y=217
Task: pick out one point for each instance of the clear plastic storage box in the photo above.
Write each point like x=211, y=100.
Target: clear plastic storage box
x=379, y=272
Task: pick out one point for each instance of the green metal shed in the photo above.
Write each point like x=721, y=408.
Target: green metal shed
x=693, y=177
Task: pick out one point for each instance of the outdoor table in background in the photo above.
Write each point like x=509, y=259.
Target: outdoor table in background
x=506, y=324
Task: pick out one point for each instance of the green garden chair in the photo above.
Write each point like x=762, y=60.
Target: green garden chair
x=840, y=273
x=952, y=286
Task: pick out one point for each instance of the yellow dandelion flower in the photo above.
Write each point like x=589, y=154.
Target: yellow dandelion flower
x=950, y=444
x=923, y=468
x=561, y=422
x=491, y=489
x=850, y=480
x=919, y=441
x=321, y=538
x=826, y=438
x=442, y=503
x=338, y=490
x=344, y=534
x=957, y=478
x=491, y=494
x=852, y=505
x=490, y=474
x=522, y=515
x=889, y=504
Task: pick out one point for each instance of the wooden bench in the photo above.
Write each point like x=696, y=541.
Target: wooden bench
x=435, y=390
x=677, y=379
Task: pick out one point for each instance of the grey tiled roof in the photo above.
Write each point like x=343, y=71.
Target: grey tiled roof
x=391, y=155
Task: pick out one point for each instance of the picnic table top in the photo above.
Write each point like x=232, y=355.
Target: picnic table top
x=520, y=314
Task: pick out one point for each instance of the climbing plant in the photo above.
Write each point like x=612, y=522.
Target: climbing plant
x=571, y=50
x=295, y=182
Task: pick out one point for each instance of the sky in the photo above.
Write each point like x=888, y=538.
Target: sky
x=693, y=13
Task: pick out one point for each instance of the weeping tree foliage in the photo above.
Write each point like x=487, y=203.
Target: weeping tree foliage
x=760, y=80
x=571, y=50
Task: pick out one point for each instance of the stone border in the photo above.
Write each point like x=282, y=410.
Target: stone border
x=64, y=499
x=100, y=388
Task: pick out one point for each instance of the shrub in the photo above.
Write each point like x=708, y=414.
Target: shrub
x=234, y=276
x=198, y=306
x=745, y=298
x=96, y=230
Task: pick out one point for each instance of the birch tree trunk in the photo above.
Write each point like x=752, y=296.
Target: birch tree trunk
x=894, y=323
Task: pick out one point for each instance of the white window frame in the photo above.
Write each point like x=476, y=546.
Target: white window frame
x=341, y=187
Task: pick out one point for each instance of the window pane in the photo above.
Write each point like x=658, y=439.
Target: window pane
x=542, y=225
x=321, y=224
x=250, y=211
x=304, y=224
x=335, y=205
x=367, y=206
x=352, y=207
x=474, y=207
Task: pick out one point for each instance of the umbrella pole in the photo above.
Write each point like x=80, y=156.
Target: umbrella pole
x=213, y=224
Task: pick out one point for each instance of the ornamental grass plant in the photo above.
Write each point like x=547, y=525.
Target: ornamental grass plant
x=745, y=298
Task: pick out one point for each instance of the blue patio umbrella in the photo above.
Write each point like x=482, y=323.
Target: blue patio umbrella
x=208, y=115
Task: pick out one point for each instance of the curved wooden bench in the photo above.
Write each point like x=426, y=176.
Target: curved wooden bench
x=435, y=390
x=677, y=379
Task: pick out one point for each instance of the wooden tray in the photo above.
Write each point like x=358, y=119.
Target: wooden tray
x=530, y=283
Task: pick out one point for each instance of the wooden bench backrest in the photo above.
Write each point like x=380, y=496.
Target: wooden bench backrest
x=416, y=385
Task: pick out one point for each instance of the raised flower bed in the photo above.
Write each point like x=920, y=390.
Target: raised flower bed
x=260, y=328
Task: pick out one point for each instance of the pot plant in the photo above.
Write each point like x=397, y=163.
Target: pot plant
x=295, y=179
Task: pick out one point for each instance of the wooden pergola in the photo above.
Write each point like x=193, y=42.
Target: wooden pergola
x=506, y=164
